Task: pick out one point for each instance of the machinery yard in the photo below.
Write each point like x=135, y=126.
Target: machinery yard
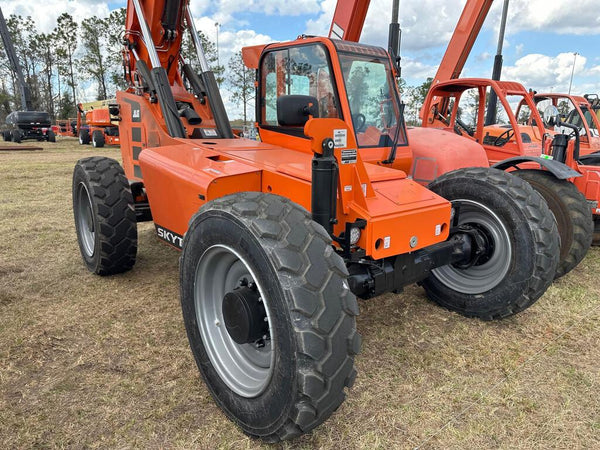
x=93, y=361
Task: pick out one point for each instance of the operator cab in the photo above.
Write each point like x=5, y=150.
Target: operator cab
x=462, y=107
x=326, y=78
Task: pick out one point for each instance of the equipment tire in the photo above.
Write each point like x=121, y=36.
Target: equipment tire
x=104, y=216
x=84, y=137
x=51, y=136
x=6, y=136
x=525, y=245
x=310, y=313
x=572, y=213
x=17, y=137
x=98, y=139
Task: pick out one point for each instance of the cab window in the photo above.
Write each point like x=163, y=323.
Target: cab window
x=300, y=70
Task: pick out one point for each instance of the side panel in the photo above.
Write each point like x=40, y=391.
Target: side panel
x=180, y=179
x=436, y=152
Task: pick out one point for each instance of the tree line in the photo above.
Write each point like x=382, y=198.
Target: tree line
x=60, y=65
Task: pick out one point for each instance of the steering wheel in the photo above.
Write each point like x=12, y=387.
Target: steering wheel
x=359, y=121
x=500, y=140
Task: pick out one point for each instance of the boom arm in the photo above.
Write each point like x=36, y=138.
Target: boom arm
x=348, y=19
x=154, y=30
x=14, y=64
x=460, y=45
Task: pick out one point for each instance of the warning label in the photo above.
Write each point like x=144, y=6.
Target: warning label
x=349, y=156
x=340, y=138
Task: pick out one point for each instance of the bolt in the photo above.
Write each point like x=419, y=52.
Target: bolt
x=413, y=242
x=217, y=323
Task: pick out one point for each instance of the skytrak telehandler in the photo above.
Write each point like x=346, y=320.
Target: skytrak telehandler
x=574, y=110
x=569, y=187
x=434, y=150
x=279, y=237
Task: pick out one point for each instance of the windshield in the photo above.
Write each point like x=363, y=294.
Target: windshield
x=374, y=104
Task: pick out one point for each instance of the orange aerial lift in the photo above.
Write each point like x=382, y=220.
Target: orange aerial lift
x=279, y=237
x=98, y=124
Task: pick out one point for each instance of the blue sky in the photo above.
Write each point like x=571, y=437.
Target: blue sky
x=541, y=38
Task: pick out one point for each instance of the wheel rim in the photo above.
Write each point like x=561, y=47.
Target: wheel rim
x=483, y=277
x=245, y=368
x=85, y=219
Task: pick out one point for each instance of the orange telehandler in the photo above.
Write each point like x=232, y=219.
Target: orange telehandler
x=433, y=149
x=552, y=167
x=279, y=237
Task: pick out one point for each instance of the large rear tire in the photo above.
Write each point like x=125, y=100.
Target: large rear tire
x=290, y=375
x=572, y=213
x=51, y=136
x=521, y=234
x=17, y=136
x=104, y=216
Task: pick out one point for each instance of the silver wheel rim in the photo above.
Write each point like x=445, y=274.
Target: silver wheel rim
x=85, y=220
x=245, y=368
x=480, y=278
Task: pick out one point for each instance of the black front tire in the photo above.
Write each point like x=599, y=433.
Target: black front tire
x=51, y=136
x=572, y=213
x=522, y=228
x=17, y=137
x=6, y=136
x=84, y=137
x=98, y=139
x=104, y=216
x=311, y=312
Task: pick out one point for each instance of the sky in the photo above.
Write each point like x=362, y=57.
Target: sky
x=541, y=35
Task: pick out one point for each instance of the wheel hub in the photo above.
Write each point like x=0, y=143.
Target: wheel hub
x=244, y=315
x=481, y=246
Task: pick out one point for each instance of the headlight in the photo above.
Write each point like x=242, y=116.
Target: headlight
x=354, y=235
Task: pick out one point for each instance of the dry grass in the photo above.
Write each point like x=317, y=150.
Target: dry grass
x=104, y=362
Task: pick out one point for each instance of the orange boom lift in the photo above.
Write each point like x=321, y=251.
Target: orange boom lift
x=279, y=237
x=98, y=123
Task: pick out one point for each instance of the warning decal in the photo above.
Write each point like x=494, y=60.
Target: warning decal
x=340, y=138
x=349, y=156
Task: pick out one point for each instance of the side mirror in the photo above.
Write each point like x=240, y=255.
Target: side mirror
x=293, y=110
x=551, y=116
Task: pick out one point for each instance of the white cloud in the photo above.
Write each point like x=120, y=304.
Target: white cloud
x=45, y=14
x=576, y=17
x=545, y=73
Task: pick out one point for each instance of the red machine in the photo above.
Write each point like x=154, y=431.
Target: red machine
x=98, y=124
x=65, y=127
x=279, y=237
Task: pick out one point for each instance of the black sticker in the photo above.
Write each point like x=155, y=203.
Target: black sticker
x=349, y=156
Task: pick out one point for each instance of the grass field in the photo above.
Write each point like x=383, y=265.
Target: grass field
x=104, y=362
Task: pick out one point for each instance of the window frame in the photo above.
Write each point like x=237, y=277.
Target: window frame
x=293, y=131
